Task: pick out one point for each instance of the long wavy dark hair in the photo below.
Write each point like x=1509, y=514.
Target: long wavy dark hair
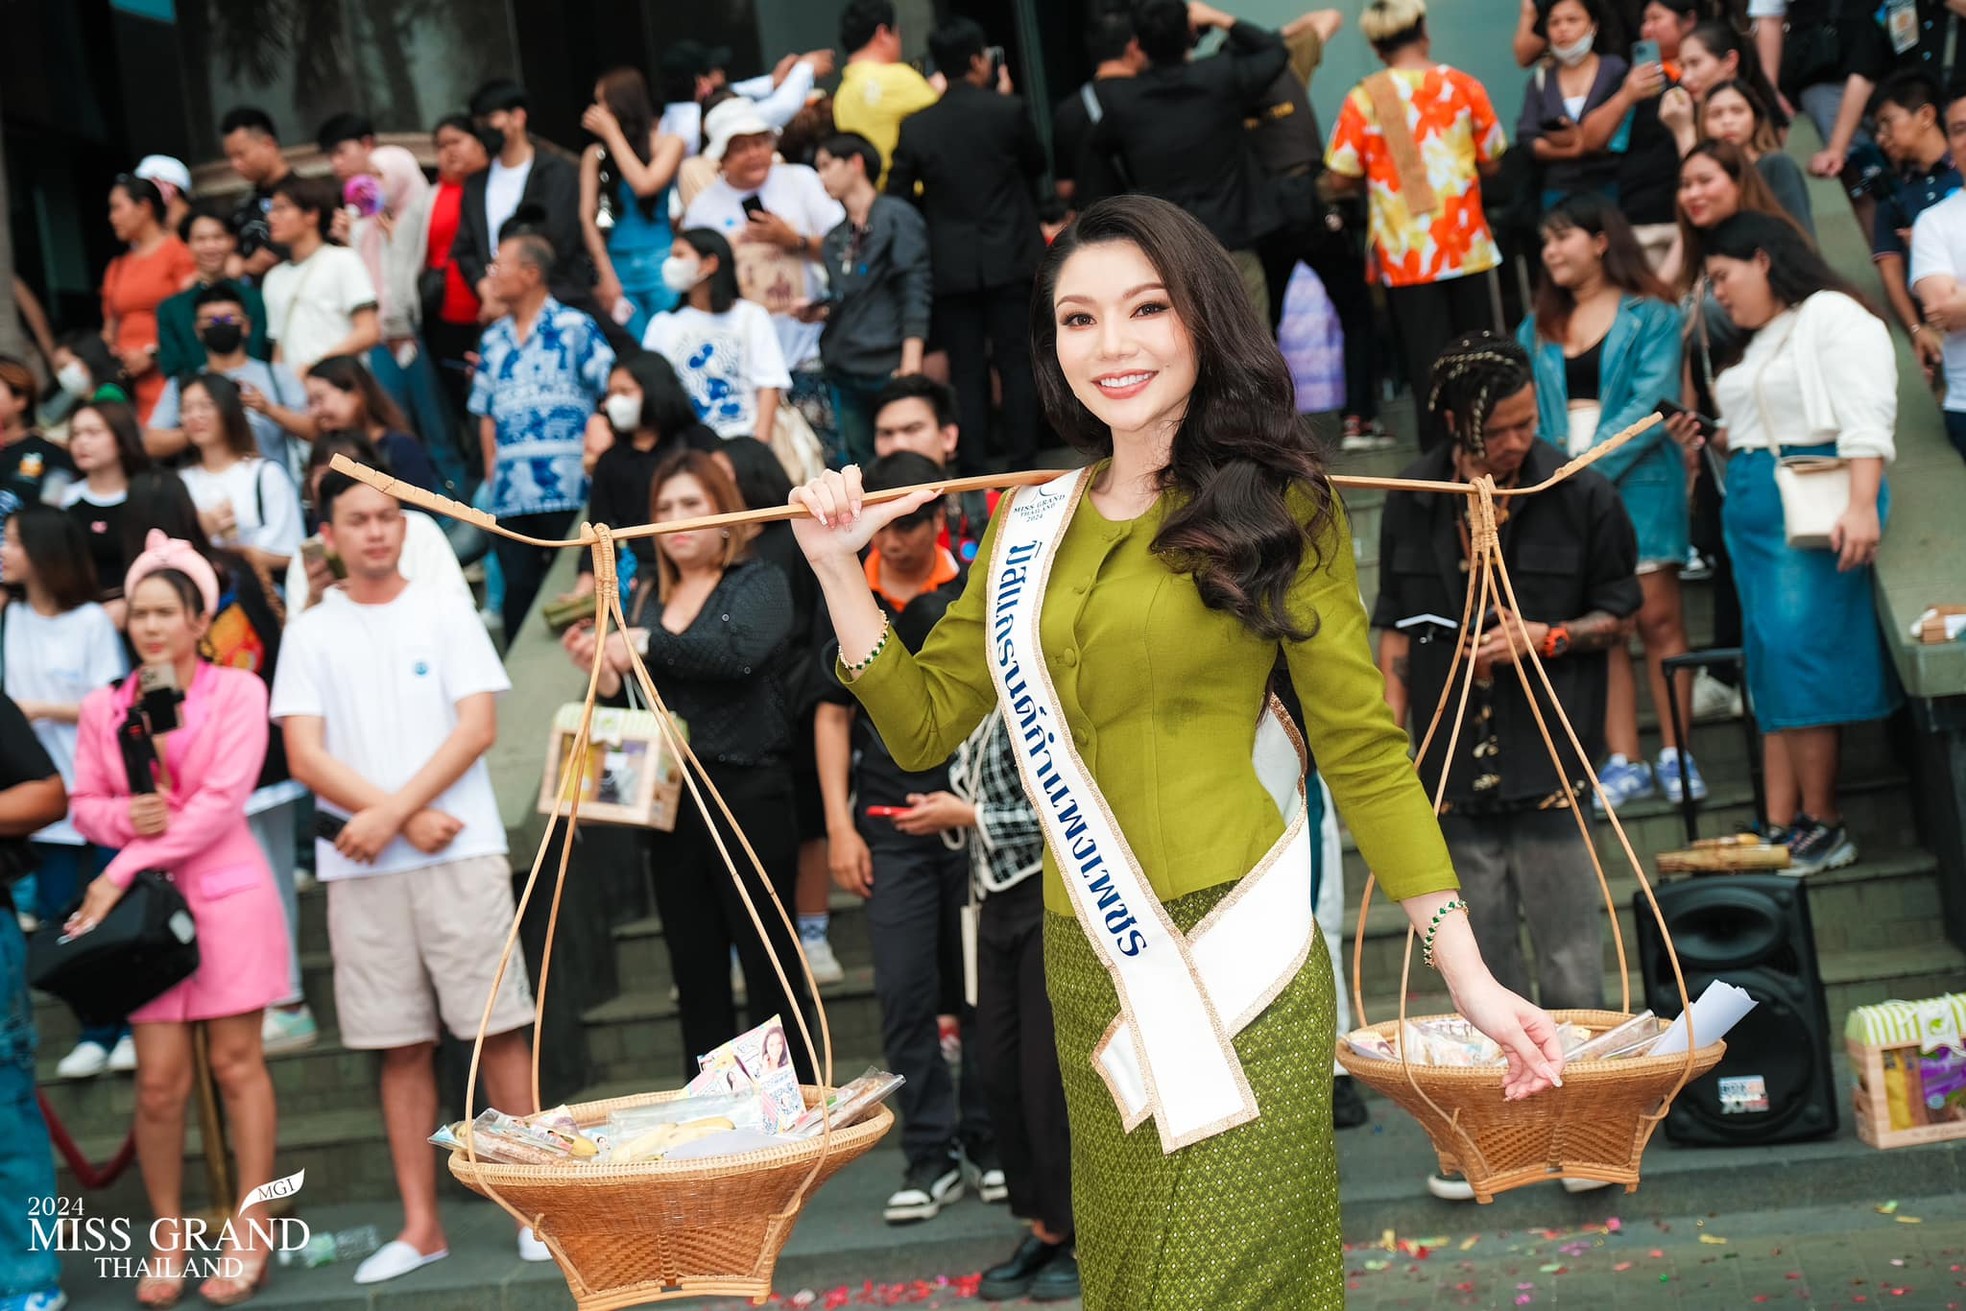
x=626, y=94
x=1239, y=451
x=1623, y=260
x=1796, y=269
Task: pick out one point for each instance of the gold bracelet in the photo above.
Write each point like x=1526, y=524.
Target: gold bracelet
x=854, y=671
x=1427, y=944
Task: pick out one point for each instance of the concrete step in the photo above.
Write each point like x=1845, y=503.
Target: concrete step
x=1850, y=979
x=1888, y=900
x=637, y=1037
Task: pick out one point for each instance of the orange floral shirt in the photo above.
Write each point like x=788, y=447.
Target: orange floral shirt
x=1455, y=127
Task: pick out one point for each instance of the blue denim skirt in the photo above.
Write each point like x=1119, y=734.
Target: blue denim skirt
x=1815, y=655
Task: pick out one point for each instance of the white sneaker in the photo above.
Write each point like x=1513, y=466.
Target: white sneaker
x=530, y=1248
x=1575, y=1185
x=123, y=1057
x=1713, y=699
x=287, y=1030
x=87, y=1061
x=1450, y=1187
x=824, y=964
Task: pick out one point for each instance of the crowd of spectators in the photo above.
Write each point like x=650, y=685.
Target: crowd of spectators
x=733, y=283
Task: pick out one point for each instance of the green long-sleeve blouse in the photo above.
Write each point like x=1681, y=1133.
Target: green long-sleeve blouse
x=1163, y=694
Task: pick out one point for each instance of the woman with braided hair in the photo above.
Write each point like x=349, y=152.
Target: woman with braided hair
x=1509, y=810
x=1127, y=619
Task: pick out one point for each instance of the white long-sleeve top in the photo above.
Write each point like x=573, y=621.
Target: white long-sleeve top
x=1822, y=372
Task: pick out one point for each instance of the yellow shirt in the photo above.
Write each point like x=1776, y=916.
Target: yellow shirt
x=1162, y=696
x=873, y=99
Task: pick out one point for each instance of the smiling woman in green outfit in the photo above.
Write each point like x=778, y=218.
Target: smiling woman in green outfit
x=1163, y=584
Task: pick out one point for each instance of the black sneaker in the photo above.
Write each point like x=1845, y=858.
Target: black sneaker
x=1014, y=1277
x=1815, y=846
x=928, y=1186
x=985, y=1173
x=1059, y=1281
x=1347, y=1107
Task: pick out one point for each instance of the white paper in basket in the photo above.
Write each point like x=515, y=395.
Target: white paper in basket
x=1714, y=1012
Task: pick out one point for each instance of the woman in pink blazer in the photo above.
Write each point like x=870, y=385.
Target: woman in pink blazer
x=193, y=828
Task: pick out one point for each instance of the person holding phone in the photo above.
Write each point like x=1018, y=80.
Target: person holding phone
x=1559, y=99
x=892, y=845
x=189, y=818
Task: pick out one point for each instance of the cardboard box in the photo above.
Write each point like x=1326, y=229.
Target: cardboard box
x=1909, y=1060
x=629, y=774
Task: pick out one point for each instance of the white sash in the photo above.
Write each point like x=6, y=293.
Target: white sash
x=1169, y=1053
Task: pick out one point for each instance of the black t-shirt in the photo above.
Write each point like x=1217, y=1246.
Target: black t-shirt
x=27, y=468
x=103, y=525
x=620, y=486
x=22, y=760
x=1648, y=171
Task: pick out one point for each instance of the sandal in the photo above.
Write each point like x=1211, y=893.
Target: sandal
x=162, y=1290
x=231, y=1290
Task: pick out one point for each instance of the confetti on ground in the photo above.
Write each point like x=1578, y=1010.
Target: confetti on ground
x=1910, y=1220
x=1472, y=1239
x=1621, y=1267
x=1887, y=1208
x=1713, y=1240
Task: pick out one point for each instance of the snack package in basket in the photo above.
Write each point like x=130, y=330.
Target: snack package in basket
x=848, y=1103
x=760, y=1059
x=1632, y=1038
x=652, y=1133
x=547, y=1139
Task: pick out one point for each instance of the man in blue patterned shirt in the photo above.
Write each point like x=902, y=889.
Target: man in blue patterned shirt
x=542, y=371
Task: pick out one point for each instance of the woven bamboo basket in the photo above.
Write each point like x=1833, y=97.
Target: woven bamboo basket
x=1597, y=1123
x=654, y=1232
x=627, y=1235
x=1596, y=1126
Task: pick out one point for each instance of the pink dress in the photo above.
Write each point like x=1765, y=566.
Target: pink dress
x=208, y=850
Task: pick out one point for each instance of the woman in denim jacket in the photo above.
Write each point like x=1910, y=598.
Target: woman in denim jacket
x=1605, y=344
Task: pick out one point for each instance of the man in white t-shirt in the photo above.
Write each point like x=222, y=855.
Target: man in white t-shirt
x=1938, y=276
x=320, y=302
x=774, y=216
x=387, y=693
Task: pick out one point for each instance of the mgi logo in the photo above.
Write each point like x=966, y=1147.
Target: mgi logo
x=62, y=1225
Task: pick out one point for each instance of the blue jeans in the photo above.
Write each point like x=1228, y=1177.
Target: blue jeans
x=853, y=410
x=27, y=1161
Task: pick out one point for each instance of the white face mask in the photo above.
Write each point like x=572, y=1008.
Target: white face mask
x=624, y=412
x=680, y=273
x=1572, y=55
x=74, y=379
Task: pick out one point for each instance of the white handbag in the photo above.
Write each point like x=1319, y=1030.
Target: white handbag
x=1815, y=489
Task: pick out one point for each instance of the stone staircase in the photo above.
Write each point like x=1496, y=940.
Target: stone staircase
x=1878, y=930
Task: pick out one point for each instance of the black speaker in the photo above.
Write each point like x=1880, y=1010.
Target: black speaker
x=1753, y=931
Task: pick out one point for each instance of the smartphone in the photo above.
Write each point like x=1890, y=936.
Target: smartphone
x=1555, y=123
x=996, y=62
x=886, y=812
x=752, y=205
x=328, y=827
x=315, y=551
x=1673, y=409
x=1645, y=52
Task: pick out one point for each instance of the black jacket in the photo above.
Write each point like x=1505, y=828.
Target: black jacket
x=1569, y=550
x=1177, y=132
x=554, y=186
x=978, y=158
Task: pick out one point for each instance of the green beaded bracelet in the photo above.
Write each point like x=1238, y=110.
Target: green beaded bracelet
x=1433, y=927
x=856, y=670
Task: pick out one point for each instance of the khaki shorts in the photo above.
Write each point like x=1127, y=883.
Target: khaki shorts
x=411, y=946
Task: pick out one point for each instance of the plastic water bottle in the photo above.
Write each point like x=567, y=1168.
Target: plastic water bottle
x=343, y=1245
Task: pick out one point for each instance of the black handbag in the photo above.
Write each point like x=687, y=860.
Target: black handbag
x=145, y=945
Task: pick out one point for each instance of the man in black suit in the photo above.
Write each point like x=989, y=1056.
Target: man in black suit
x=521, y=174
x=978, y=159
x=1177, y=130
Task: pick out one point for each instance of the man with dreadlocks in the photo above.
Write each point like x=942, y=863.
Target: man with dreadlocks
x=1573, y=556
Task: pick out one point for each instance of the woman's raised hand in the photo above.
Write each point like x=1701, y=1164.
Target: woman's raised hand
x=838, y=522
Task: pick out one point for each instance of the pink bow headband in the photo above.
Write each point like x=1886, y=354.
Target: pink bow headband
x=162, y=552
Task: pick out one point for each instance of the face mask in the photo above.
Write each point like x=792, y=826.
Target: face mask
x=624, y=412
x=74, y=379
x=492, y=139
x=222, y=338
x=680, y=274
x=1572, y=55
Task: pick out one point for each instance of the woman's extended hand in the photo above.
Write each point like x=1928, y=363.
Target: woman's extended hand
x=1855, y=537
x=1525, y=1033
x=839, y=522
x=101, y=898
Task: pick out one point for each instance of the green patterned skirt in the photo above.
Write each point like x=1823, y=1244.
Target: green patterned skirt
x=1244, y=1221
